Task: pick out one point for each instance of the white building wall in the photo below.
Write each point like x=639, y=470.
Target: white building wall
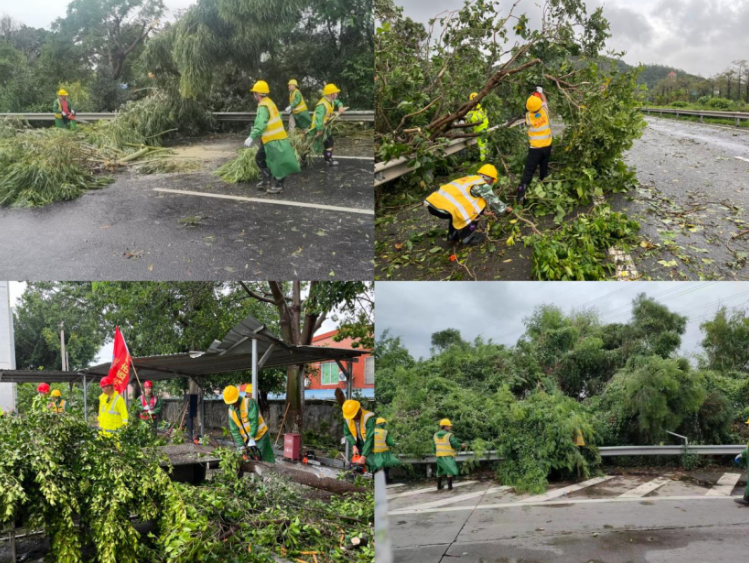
x=7, y=348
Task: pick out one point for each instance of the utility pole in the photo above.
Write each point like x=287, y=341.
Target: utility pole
x=63, y=351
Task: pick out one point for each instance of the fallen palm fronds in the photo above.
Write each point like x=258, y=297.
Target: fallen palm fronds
x=167, y=166
x=240, y=169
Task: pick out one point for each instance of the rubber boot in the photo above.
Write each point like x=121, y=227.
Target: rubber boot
x=520, y=198
x=439, y=483
x=449, y=483
x=264, y=180
x=742, y=501
x=329, y=159
x=277, y=187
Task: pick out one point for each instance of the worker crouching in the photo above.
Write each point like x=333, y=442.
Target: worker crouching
x=275, y=157
x=359, y=431
x=247, y=425
x=463, y=201
x=383, y=441
x=445, y=446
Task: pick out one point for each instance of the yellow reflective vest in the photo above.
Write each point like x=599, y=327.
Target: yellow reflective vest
x=112, y=412
x=365, y=416
x=274, y=130
x=539, y=129
x=456, y=199
x=244, y=424
x=57, y=407
x=478, y=116
x=380, y=441
x=444, y=447
x=298, y=108
x=328, y=112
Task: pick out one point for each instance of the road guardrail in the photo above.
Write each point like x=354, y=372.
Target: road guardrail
x=352, y=116
x=738, y=116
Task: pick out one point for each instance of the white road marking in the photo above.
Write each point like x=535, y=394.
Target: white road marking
x=459, y=498
x=556, y=502
x=742, y=158
x=428, y=490
x=646, y=488
x=725, y=485
x=271, y=201
x=556, y=493
x=351, y=157
x=394, y=485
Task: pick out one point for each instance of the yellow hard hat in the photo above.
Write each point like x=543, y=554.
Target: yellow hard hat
x=62, y=92
x=350, y=408
x=473, y=95
x=231, y=394
x=294, y=82
x=533, y=104
x=747, y=422
x=56, y=393
x=261, y=87
x=381, y=421
x=489, y=170
x=445, y=422
x=330, y=89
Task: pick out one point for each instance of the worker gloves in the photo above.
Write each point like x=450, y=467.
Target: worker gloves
x=249, y=141
x=539, y=89
x=288, y=109
x=251, y=442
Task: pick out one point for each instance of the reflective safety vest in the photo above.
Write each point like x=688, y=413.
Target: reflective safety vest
x=539, y=130
x=151, y=403
x=456, y=199
x=478, y=116
x=112, y=412
x=57, y=407
x=274, y=130
x=298, y=108
x=444, y=448
x=244, y=425
x=365, y=416
x=328, y=111
x=380, y=441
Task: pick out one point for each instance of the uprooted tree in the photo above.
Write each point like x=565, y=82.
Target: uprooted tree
x=423, y=80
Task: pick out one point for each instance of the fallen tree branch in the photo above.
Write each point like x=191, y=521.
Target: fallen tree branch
x=403, y=119
x=302, y=477
x=740, y=234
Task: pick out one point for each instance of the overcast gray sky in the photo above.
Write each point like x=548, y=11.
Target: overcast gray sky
x=41, y=13
x=698, y=36
x=495, y=310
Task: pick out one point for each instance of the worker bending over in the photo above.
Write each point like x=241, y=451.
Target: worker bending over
x=539, y=136
x=112, y=409
x=246, y=424
x=445, y=444
x=275, y=157
x=463, y=201
x=359, y=431
x=63, y=110
x=297, y=108
x=150, y=406
x=477, y=115
x=383, y=441
x=57, y=405
x=328, y=105
x=743, y=459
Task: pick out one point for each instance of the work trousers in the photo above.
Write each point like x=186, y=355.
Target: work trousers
x=260, y=157
x=537, y=158
x=452, y=232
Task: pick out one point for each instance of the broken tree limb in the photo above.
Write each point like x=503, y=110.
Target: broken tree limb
x=303, y=477
x=403, y=119
x=741, y=234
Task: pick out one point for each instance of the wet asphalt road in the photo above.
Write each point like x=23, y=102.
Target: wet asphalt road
x=692, y=200
x=129, y=231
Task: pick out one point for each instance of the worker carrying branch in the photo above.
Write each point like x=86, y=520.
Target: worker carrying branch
x=112, y=408
x=383, y=441
x=539, y=137
x=445, y=445
x=463, y=201
x=247, y=425
x=297, y=108
x=63, y=110
x=359, y=431
x=477, y=115
x=319, y=130
x=57, y=405
x=275, y=158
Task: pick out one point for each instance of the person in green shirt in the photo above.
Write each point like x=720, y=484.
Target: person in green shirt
x=247, y=425
x=743, y=460
x=359, y=431
x=149, y=406
x=297, y=108
x=63, y=110
x=383, y=441
x=275, y=157
x=319, y=130
x=478, y=116
x=445, y=445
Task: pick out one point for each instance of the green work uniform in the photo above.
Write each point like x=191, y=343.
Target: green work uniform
x=386, y=458
x=479, y=117
x=365, y=446
x=279, y=154
x=320, y=125
x=745, y=459
x=446, y=465
x=302, y=119
x=485, y=191
x=241, y=438
x=62, y=122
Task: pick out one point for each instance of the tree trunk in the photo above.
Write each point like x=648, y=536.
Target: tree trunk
x=294, y=420
x=303, y=477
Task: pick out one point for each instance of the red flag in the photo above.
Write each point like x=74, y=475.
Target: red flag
x=119, y=371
